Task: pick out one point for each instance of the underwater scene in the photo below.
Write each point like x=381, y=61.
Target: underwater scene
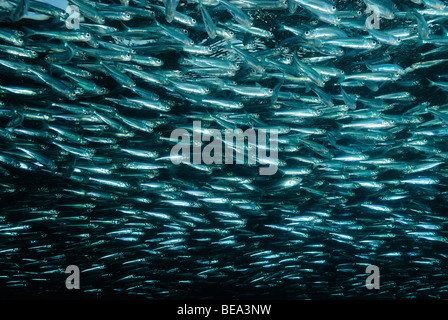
x=224, y=149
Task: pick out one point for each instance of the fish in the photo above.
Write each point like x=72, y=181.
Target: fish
x=103, y=166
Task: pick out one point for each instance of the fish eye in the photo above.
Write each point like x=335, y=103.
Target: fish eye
x=271, y=91
x=185, y=31
x=159, y=61
x=193, y=20
x=209, y=49
x=374, y=42
x=34, y=53
x=207, y=90
x=20, y=41
x=333, y=8
x=231, y=33
x=307, y=33
x=338, y=18
x=398, y=40
x=240, y=104
x=88, y=35
x=319, y=111
x=359, y=13
x=103, y=89
x=128, y=55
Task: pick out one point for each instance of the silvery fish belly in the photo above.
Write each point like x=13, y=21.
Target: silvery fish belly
x=224, y=149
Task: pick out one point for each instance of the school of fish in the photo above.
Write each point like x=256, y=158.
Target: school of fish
x=356, y=89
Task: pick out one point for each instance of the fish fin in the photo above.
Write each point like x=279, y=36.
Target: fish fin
x=444, y=30
x=70, y=167
x=277, y=88
x=331, y=138
x=126, y=28
x=209, y=114
x=288, y=41
x=190, y=97
x=100, y=62
x=51, y=69
x=44, y=126
x=71, y=54
x=307, y=87
x=29, y=32
x=371, y=85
